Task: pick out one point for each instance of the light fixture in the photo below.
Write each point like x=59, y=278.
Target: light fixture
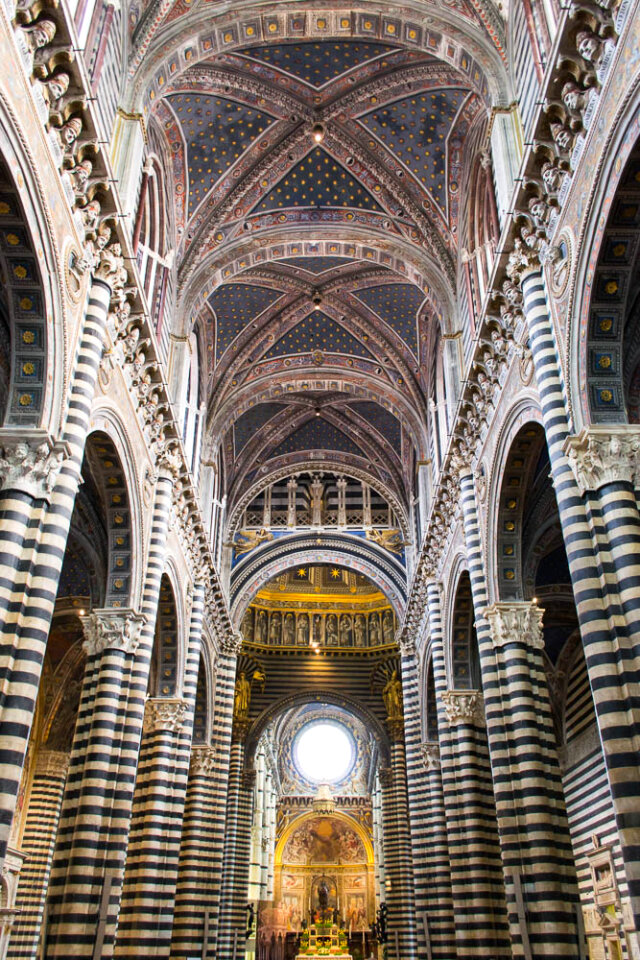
x=316, y=297
x=317, y=131
x=317, y=411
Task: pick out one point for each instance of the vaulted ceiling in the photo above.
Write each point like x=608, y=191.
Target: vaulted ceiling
x=317, y=270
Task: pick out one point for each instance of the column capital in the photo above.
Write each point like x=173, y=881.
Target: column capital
x=232, y=644
x=30, y=461
x=248, y=781
x=522, y=262
x=464, y=706
x=430, y=752
x=113, y=628
x=406, y=643
x=604, y=454
x=203, y=761
x=52, y=763
x=164, y=713
x=516, y=622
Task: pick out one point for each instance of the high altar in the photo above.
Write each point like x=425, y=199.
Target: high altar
x=324, y=940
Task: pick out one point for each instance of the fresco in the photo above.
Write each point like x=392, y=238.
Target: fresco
x=324, y=840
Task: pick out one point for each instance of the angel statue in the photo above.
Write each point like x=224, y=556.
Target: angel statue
x=247, y=540
x=390, y=540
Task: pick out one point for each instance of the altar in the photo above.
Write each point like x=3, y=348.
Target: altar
x=324, y=940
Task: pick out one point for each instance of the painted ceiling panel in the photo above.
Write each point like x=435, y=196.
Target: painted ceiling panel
x=317, y=265
x=317, y=434
x=217, y=133
x=317, y=332
x=318, y=181
x=251, y=421
x=381, y=420
x=318, y=63
x=415, y=130
x=397, y=304
x=236, y=305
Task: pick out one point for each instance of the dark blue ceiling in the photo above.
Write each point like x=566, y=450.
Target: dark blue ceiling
x=236, y=305
x=320, y=62
x=217, y=132
x=247, y=425
x=415, y=130
x=317, y=265
x=317, y=434
x=381, y=420
x=397, y=304
x=318, y=181
x=317, y=332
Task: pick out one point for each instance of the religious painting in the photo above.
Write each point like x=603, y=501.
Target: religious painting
x=324, y=840
x=356, y=912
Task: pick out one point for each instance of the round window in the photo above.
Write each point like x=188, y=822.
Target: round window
x=324, y=752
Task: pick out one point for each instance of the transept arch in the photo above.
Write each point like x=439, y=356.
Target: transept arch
x=346, y=550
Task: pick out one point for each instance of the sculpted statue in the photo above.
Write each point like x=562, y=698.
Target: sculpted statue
x=390, y=540
x=360, y=631
x=289, y=629
x=261, y=627
x=275, y=629
x=387, y=627
x=374, y=629
x=392, y=696
x=247, y=540
x=303, y=630
x=241, y=698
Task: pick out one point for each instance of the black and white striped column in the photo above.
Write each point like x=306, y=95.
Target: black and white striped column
x=438, y=763
x=417, y=794
x=90, y=855
x=477, y=881
x=38, y=842
x=39, y=485
x=146, y=911
x=401, y=921
x=532, y=818
x=203, y=859
x=610, y=651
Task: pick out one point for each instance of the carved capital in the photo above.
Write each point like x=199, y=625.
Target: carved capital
x=52, y=764
x=464, y=707
x=30, y=461
x=606, y=454
x=110, y=266
x=164, y=713
x=522, y=262
x=232, y=644
x=112, y=629
x=203, y=761
x=406, y=643
x=430, y=751
x=516, y=623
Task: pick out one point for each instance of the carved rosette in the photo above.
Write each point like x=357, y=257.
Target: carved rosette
x=112, y=629
x=164, y=713
x=464, y=707
x=203, y=761
x=601, y=455
x=517, y=622
x=52, y=764
x=430, y=751
x=30, y=462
